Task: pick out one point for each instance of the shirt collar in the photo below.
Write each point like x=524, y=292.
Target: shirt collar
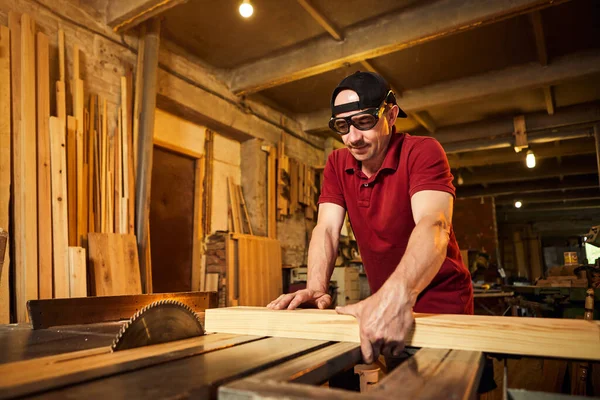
x=392, y=156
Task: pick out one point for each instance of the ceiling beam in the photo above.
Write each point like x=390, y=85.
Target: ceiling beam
x=540, y=41
x=322, y=20
x=425, y=120
x=549, y=99
x=483, y=85
x=546, y=168
x=597, y=138
x=124, y=15
x=456, y=149
x=552, y=197
x=539, y=186
x=388, y=34
x=542, y=52
x=571, y=205
x=508, y=155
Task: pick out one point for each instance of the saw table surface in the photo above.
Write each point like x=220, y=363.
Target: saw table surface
x=76, y=362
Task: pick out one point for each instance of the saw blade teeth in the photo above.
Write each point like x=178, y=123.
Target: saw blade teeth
x=145, y=309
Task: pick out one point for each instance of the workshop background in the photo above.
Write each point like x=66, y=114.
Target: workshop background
x=173, y=146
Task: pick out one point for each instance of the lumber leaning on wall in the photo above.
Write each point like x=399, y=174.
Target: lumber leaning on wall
x=543, y=337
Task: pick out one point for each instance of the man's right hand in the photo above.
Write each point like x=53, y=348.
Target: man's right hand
x=307, y=297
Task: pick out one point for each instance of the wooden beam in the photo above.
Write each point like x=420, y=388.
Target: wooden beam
x=71, y=142
x=571, y=205
x=43, y=168
x=549, y=197
x=425, y=120
x=88, y=310
x=5, y=165
x=505, y=335
x=546, y=168
x=77, y=272
x=508, y=155
x=549, y=99
x=483, y=85
x=322, y=20
x=27, y=272
x=198, y=260
x=540, y=186
x=597, y=139
x=124, y=15
x=388, y=34
x=535, y=18
x=60, y=219
x=146, y=131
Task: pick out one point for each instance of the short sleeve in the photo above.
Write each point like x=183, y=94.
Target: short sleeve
x=429, y=168
x=331, y=189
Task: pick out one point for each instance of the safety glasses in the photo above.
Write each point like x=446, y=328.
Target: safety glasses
x=363, y=121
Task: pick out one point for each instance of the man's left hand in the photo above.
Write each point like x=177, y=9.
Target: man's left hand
x=384, y=322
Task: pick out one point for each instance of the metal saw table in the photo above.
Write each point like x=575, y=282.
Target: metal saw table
x=76, y=362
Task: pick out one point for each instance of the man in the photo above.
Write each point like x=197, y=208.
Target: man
x=398, y=192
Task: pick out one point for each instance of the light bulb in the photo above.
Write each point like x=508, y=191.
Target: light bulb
x=246, y=9
x=460, y=180
x=518, y=204
x=530, y=159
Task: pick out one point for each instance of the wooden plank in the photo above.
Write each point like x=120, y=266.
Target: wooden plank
x=128, y=112
x=272, y=193
x=44, y=199
x=42, y=374
x=231, y=273
x=61, y=55
x=80, y=144
x=212, y=282
x=114, y=264
x=77, y=272
x=5, y=163
x=72, y=178
x=244, y=208
x=87, y=310
x=553, y=338
x=91, y=162
x=27, y=277
x=61, y=104
x=118, y=175
x=104, y=171
x=60, y=218
x=139, y=75
x=198, y=272
x=235, y=206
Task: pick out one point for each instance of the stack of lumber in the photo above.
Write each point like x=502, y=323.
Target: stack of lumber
x=70, y=174
x=254, y=276
x=296, y=187
x=239, y=221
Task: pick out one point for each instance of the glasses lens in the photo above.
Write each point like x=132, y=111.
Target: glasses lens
x=364, y=122
x=339, y=125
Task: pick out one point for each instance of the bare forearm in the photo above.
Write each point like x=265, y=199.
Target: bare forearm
x=322, y=253
x=422, y=260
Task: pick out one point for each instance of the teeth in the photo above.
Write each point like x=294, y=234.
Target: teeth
x=143, y=310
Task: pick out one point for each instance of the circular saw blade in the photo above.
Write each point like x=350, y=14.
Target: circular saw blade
x=159, y=322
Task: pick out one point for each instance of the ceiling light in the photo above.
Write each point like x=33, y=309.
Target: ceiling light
x=530, y=159
x=246, y=10
x=460, y=180
x=518, y=204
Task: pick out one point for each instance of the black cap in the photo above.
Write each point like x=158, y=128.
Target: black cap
x=371, y=88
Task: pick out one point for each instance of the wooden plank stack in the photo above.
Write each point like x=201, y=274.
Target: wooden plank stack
x=69, y=175
x=254, y=275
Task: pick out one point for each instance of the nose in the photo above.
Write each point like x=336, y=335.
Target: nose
x=354, y=135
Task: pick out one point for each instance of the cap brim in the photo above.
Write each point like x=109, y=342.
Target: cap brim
x=401, y=113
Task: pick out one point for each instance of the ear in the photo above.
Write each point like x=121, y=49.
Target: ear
x=392, y=115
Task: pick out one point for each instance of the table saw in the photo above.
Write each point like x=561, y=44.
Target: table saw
x=149, y=356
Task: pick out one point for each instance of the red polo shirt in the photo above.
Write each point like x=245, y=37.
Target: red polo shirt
x=380, y=212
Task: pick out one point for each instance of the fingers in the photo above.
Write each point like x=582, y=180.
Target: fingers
x=274, y=302
x=351, y=309
x=282, y=301
x=366, y=348
x=324, y=302
x=392, y=349
x=298, y=299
